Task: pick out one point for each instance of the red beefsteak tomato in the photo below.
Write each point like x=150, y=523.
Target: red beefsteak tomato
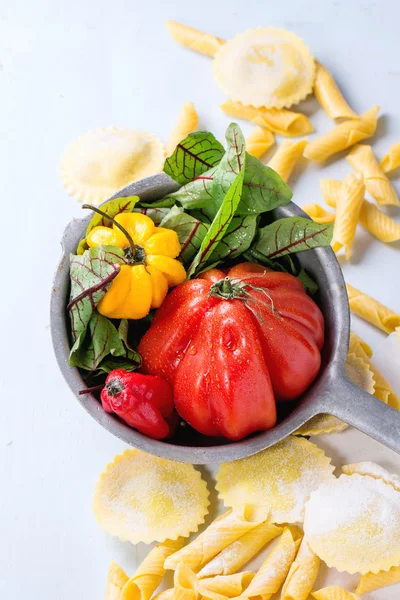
x=233, y=343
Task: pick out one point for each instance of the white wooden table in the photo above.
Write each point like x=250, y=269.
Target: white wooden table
x=67, y=68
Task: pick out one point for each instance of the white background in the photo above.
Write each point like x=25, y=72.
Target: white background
x=67, y=67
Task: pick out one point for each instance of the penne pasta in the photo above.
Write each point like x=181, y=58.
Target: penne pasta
x=275, y=567
x=378, y=223
x=116, y=580
x=391, y=160
x=362, y=159
x=220, y=534
x=286, y=157
x=196, y=40
x=371, y=310
x=383, y=391
x=259, y=141
x=187, y=122
x=237, y=554
x=148, y=576
x=372, y=219
x=374, y=581
x=343, y=136
x=348, y=213
x=329, y=95
x=334, y=592
x=302, y=574
x=185, y=584
x=279, y=120
x=331, y=190
x=228, y=586
x=318, y=213
x=165, y=595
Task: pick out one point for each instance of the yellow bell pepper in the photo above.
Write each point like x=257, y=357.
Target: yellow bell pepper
x=142, y=284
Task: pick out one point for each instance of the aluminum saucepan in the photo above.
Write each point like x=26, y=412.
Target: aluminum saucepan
x=332, y=392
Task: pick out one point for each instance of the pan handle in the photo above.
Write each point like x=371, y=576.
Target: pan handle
x=365, y=412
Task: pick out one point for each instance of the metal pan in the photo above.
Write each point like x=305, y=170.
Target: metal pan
x=331, y=393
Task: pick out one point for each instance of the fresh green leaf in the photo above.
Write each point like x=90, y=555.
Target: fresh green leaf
x=291, y=234
x=230, y=165
x=111, y=208
x=155, y=214
x=118, y=362
x=196, y=193
x=219, y=225
x=193, y=156
x=101, y=339
x=91, y=276
x=190, y=231
x=310, y=285
x=263, y=188
x=165, y=202
x=237, y=239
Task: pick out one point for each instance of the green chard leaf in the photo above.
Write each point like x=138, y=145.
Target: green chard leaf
x=190, y=230
x=102, y=339
x=194, y=155
x=111, y=208
x=310, y=285
x=288, y=235
x=166, y=202
x=230, y=165
x=219, y=225
x=237, y=239
x=196, y=193
x=91, y=276
x=263, y=188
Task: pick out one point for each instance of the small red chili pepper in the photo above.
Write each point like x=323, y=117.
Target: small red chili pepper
x=144, y=402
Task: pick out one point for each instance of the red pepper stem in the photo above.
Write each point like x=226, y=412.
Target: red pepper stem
x=95, y=388
x=120, y=227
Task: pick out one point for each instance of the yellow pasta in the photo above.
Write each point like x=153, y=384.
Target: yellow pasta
x=378, y=224
x=185, y=584
x=348, y=213
x=187, y=122
x=229, y=586
x=205, y=43
x=383, y=391
x=319, y=214
x=259, y=141
x=280, y=121
x=391, y=160
x=165, y=595
x=329, y=95
x=237, y=554
x=372, y=219
x=333, y=592
x=222, y=532
x=116, y=580
x=372, y=581
x=331, y=190
x=302, y=574
x=372, y=311
x=148, y=576
x=343, y=136
x=362, y=159
x=286, y=157
x=275, y=567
